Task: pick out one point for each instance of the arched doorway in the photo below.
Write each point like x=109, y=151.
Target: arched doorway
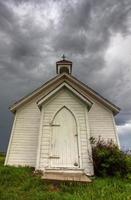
x=64, y=141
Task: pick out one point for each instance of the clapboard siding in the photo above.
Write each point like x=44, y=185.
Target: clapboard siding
x=24, y=141
x=23, y=148
x=101, y=123
x=64, y=98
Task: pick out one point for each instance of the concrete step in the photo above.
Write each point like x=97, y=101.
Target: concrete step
x=78, y=177
x=68, y=171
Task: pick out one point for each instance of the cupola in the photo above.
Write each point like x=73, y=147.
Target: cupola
x=63, y=66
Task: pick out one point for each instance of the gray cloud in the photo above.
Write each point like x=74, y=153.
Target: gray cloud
x=125, y=136
x=91, y=24
x=33, y=35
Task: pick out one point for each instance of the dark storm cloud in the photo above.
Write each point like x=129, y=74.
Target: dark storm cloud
x=6, y=18
x=22, y=43
x=92, y=22
x=34, y=34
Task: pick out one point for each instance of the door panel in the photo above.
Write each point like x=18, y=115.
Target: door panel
x=64, y=146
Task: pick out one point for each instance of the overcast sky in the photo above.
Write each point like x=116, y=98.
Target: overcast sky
x=94, y=34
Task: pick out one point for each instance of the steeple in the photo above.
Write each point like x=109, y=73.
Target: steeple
x=63, y=66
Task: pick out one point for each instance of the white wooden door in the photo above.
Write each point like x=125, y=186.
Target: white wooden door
x=64, y=146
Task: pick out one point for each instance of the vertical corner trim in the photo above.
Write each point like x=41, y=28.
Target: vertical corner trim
x=10, y=140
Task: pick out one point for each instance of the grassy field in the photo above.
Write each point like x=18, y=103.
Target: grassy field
x=21, y=184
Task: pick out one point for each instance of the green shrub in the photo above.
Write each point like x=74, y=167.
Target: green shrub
x=108, y=159
x=128, y=160
x=2, y=158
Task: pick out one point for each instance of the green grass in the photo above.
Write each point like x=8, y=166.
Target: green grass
x=21, y=184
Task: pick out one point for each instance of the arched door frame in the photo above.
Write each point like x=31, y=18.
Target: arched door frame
x=77, y=130
x=60, y=110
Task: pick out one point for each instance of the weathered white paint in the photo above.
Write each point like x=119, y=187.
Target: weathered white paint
x=64, y=98
x=10, y=141
x=69, y=79
x=30, y=138
x=115, y=130
x=64, y=144
x=40, y=102
x=24, y=136
x=101, y=123
x=90, y=161
x=39, y=139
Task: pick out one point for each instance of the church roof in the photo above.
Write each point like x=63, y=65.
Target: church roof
x=63, y=61
x=74, y=83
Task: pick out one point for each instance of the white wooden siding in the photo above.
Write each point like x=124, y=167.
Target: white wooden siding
x=101, y=123
x=22, y=150
x=64, y=98
x=24, y=140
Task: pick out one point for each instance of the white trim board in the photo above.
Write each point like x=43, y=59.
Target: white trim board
x=42, y=100
x=10, y=141
x=66, y=77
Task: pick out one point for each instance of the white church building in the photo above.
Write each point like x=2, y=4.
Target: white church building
x=53, y=124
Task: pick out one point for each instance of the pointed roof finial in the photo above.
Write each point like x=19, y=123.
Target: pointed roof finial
x=63, y=57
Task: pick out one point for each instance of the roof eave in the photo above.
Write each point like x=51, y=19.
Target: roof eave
x=64, y=84
x=14, y=106
x=107, y=103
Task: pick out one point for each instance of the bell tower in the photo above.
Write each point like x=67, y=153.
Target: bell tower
x=63, y=66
